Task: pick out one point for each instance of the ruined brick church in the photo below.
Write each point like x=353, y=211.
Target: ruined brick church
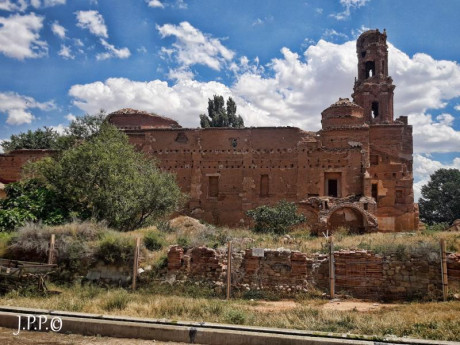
x=355, y=172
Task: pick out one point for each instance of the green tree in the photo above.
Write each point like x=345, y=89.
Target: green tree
x=440, y=201
x=104, y=178
x=29, y=201
x=221, y=116
x=277, y=219
x=81, y=128
x=46, y=138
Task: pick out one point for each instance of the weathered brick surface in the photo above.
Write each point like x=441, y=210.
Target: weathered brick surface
x=360, y=274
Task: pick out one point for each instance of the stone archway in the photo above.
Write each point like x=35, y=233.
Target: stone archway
x=348, y=217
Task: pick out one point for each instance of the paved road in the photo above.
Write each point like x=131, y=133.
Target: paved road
x=35, y=338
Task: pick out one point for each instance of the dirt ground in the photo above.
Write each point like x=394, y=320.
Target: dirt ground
x=36, y=338
x=343, y=305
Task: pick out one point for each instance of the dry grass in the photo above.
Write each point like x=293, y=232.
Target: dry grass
x=421, y=320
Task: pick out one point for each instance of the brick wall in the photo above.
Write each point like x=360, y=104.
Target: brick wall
x=360, y=274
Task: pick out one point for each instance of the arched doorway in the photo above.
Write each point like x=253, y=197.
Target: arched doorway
x=350, y=218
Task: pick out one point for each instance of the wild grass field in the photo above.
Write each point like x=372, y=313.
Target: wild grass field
x=429, y=319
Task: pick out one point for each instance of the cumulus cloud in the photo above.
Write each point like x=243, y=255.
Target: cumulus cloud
x=194, y=47
x=66, y=52
x=155, y=3
x=21, y=5
x=183, y=101
x=13, y=6
x=20, y=38
x=348, y=5
x=17, y=107
x=93, y=21
x=70, y=117
x=293, y=90
x=424, y=167
x=58, y=30
x=111, y=51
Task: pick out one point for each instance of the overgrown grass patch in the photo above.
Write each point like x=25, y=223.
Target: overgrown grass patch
x=420, y=320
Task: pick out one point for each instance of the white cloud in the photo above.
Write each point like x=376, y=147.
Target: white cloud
x=70, y=117
x=194, y=47
x=58, y=30
x=51, y=3
x=183, y=101
x=155, y=3
x=46, y=3
x=424, y=167
x=17, y=107
x=66, y=52
x=293, y=90
x=19, y=36
x=331, y=33
x=111, y=51
x=348, y=5
x=93, y=21
x=12, y=6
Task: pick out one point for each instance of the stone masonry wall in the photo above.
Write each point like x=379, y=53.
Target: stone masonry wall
x=360, y=274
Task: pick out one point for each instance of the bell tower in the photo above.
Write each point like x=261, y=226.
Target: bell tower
x=373, y=88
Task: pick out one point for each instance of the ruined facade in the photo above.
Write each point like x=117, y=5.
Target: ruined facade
x=355, y=172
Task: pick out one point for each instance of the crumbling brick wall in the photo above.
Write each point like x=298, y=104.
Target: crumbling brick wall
x=360, y=273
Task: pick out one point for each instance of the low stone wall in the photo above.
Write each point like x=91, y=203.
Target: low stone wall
x=360, y=274
x=111, y=274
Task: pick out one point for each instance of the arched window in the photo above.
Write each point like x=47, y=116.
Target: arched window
x=370, y=69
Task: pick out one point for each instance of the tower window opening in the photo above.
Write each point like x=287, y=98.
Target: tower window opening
x=370, y=69
x=363, y=53
x=374, y=191
x=375, y=109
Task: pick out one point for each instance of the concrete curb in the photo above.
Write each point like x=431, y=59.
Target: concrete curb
x=189, y=332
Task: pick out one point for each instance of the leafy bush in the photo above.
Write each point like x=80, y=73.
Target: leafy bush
x=105, y=179
x=115, y=249
x=29, y=201
x=153, y=241
x=183, y=242
x=277, y=219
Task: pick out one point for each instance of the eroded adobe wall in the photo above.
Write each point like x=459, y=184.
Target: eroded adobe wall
x=391, y=174
x=361, y=274
x=11, y=164
x=237, y=158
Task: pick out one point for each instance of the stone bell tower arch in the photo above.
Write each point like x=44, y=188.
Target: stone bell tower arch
x=373, y=89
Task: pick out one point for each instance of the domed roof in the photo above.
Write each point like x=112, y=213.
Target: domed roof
x=128, y=118
x=344, y=102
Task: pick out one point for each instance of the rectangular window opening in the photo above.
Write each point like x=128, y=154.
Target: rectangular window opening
x=264, y=185
x=213, y=191
x=375, y=191
x=332, y=188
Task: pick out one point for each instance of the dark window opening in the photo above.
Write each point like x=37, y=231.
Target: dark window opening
x=366, y=206
x=363, y=53
x=375, y=109
x=374, y=159
x=399, y=197
x=332, y=188
x=213, y=186
x=383, y=67
x=264, y=185
x=370, y=69
x=375, y=191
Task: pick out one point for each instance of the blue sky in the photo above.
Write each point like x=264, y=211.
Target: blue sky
x=283, y=62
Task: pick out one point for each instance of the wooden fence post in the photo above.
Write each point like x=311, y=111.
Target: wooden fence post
x=136, y=261
x=51, y=249
x=331, y=268
x=445, y=285
x=229, y=270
